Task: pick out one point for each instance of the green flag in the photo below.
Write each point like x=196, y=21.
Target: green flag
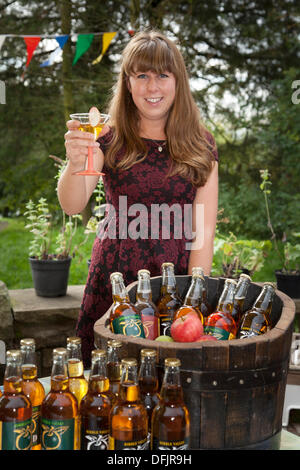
x=83, y=43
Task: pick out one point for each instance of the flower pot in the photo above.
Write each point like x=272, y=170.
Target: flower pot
x=288, y=283
x=50, y=277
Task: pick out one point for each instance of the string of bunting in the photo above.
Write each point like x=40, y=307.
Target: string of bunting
x=83, y=42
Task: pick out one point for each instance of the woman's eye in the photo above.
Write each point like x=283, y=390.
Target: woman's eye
x=141, y=75
x=163, y=75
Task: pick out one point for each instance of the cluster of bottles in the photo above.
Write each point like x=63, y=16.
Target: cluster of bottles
x=118, y=407
x=146, y=320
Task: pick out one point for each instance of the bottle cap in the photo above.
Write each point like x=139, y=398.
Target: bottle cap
x=98, y=353
x=116, y=276
x=197, y=271
x=167, y=265
x=13, y=354
x=114, y=343
x=74, y=340
x=230, y=281
x=129, y=362
x=141, y=272
x=27, y=342
x=148, y=353
x=59, y=352
x=172, y=362
x=272, y=284
x=245, y=276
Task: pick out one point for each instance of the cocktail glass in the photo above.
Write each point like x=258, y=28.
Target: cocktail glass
x=85, y=126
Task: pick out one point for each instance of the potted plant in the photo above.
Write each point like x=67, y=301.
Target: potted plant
x=50, y=269
x=288, y=275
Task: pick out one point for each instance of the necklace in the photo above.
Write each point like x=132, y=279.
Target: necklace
x=160, y=143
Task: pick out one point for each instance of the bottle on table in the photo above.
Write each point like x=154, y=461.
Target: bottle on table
x=32, y=388
x=239, y=297
x=220, y=323
x=78, y=384
x=193, y=297
x=114, y=367
x=169, y=300
x=147, y=309
x=95, y=406
x=15, y=407
x=59, y=410
x=257, y=320
x=170, y=424
x=148, y=384
x=128, y=428
x=124, y=317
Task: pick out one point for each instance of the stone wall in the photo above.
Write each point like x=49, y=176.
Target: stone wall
x=48, y=320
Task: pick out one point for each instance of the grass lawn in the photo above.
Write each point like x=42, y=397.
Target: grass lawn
x=14, y=265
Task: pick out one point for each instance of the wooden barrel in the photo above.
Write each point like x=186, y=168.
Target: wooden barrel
x=234, y=390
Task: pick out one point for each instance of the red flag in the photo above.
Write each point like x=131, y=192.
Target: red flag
x=31, y=43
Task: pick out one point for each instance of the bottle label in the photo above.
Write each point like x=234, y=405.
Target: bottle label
x=94, y=438
x=160, y=444
x=15, y=435
x=247, y=332
x=36, y=425
x=219, y=333
x=58, y=434
x=129, y=325
x=151, y=326
x=116, y=444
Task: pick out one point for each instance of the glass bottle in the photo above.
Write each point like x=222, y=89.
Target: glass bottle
x=169, y=300
x=95, y=406
x=220, y=323
x=205, y=307
x=15, y=407
x=193, y=297
x=78, y=384
x=239, y=297
x=32, y=388
x=170, y=424
x=128, y=417
x=59, y=410
x=114, y=365
x=145, y=306
x=257, y=320
x=148, y=383
x=124, y=317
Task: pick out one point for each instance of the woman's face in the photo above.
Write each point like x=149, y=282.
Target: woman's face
x=153, y=94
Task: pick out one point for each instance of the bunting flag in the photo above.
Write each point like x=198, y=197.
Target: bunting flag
x=106, y=40
x=31, y=44
x=61, y=42
x=83, y=43
x=2, y=39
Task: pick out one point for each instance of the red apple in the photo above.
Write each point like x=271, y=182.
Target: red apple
x=187, y=328
x=207, y=338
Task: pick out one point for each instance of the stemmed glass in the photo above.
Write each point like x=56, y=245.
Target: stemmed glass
x=94, y=126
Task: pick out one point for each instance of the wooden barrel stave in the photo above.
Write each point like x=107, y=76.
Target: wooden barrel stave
x=233, y=389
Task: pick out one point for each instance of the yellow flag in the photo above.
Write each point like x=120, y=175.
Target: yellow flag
x=106, y=40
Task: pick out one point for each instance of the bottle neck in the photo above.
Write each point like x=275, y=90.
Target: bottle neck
x=59, y=375
x=29, y=368
x=195, y=292
x=242, y=288
x=265, y=299
x=13, y=377
x=169, y=280
x=75, y=364
x=147, y=375
x=226, y=300
x=119, y=292
x=129, y=389
x=98, y=380
x=144, y=293
x=171, y=390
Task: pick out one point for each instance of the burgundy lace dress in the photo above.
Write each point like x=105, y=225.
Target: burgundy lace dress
x=148, y=222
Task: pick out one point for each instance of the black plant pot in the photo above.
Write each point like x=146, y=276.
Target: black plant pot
x=50, y=277
x=288, y=283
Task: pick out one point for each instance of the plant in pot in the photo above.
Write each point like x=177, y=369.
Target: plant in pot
x=288, y=275
x=233, y=257
x=50, y=270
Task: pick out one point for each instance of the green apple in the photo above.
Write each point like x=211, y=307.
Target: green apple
x=164, y=338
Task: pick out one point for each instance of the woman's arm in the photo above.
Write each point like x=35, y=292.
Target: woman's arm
x=74, y=191
x=205, y=208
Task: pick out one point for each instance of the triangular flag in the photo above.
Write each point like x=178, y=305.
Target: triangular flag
x=83, y=43
x=31, y=43
x=2, y=39
x=61, y=41
x=106, y=40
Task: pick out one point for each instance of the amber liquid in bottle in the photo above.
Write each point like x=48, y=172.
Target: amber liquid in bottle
x=95, y=406
x=170, y=426
x=147, y=309
x=257, y=320
x=128, y=418
x=32, y=388
x=78, y=384
x=114, y=367
x=239, y=298
x=15, y=407
x=59, y=410
x=193, y=298
x=169, y=300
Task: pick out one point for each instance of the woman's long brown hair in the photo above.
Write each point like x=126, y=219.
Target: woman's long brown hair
x=189, y=148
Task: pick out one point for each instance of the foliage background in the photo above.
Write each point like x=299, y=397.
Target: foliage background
x=242, y=57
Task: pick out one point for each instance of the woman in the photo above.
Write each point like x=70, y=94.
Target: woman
x=161, y=177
